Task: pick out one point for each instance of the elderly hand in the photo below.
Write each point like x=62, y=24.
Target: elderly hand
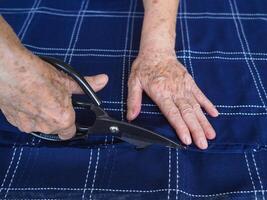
x=171, y=87
x=36, y=97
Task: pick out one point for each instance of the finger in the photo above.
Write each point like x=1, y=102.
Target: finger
x=134, y=99
x=171, y=112
x=97, y=83
x=67, y=133
x=25, y=123
x=191, y=121
x=206, y=126
x=9, y=117
x=42, y=127
x=205, y=102
x=58, y=122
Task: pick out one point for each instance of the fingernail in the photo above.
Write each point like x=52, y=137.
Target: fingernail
x=203, y=144
x=187, y=140
x=211, y=135
x=215, y=113
x=100, y=80
x=63, y=137
x=130, y=114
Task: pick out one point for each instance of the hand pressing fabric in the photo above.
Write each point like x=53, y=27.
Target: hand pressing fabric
x=172, y=88
x=166, y=81
x=35, y=96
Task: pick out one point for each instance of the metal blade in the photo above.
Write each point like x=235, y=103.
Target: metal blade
x=133, y=134
x=144, y=135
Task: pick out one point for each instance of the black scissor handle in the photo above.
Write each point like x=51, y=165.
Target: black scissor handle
x=66, y=68
x=81, y=131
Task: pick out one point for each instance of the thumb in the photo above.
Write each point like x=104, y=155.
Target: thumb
x=134, y=99
x=97, y=83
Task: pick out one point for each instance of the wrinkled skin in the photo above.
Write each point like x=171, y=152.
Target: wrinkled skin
x=36, y=97
x=172, y=88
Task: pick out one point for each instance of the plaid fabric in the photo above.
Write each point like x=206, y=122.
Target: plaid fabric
x=223, y=44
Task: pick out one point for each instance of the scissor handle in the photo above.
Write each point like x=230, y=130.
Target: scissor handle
x=81, y=131
x=66, y=68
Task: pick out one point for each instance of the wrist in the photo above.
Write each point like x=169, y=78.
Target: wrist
x=158, y=37
x=153, y=47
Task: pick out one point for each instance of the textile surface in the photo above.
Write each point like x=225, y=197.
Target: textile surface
x=223, y=45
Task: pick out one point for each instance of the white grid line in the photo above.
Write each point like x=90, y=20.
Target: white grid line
x=121, y=14
x=177, y=174
x=124, y=58
x=139, y=12
x=218, y=105
x=131, y=41
x=26, y=20
x=169, y=173
x=133, y=56
x=29, y=21
x=243, y=48
x=188, y=42
x=87, y=174
x=78, y=30
x=159, y=113
x=136, y=51
x=14, y=172
x=258, y=174
x=248, y=50
x=73, y=31
x=140, y=17
x=33, y=144
x=96, y=165
x=9, y=166
x=222, y=58
x=249, y=171
x=32, y=199
x=140, y=191
x=182, y=36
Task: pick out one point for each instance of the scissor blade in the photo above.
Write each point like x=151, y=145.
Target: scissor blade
x=133, y=134
x=143, y=135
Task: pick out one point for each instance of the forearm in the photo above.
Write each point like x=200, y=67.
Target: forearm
x=9, y=42
x=159, y=25
x=12, y=52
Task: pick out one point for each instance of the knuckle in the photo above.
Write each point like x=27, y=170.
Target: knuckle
x=186, y=110
x=66, y=120
x=47, y=130
x=132, y=80
x=159, y=90
x=182, y=130
x=135, y=63
x=196, y=107
x=197, y=131
x=207, y=126
x=173, y=112
x=154, y=88
x=26, y=127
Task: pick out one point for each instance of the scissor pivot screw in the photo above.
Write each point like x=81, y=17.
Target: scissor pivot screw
x=114, y=129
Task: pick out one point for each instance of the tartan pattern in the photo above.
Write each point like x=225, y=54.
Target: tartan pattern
x=222, y=45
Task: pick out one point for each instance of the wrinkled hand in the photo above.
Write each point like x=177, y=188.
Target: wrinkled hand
x=36, y=97
x=171, y=87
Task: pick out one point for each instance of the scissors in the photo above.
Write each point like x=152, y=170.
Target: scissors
x=103, y=123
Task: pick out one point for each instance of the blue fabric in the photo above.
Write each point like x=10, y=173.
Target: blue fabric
x=223, y=44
